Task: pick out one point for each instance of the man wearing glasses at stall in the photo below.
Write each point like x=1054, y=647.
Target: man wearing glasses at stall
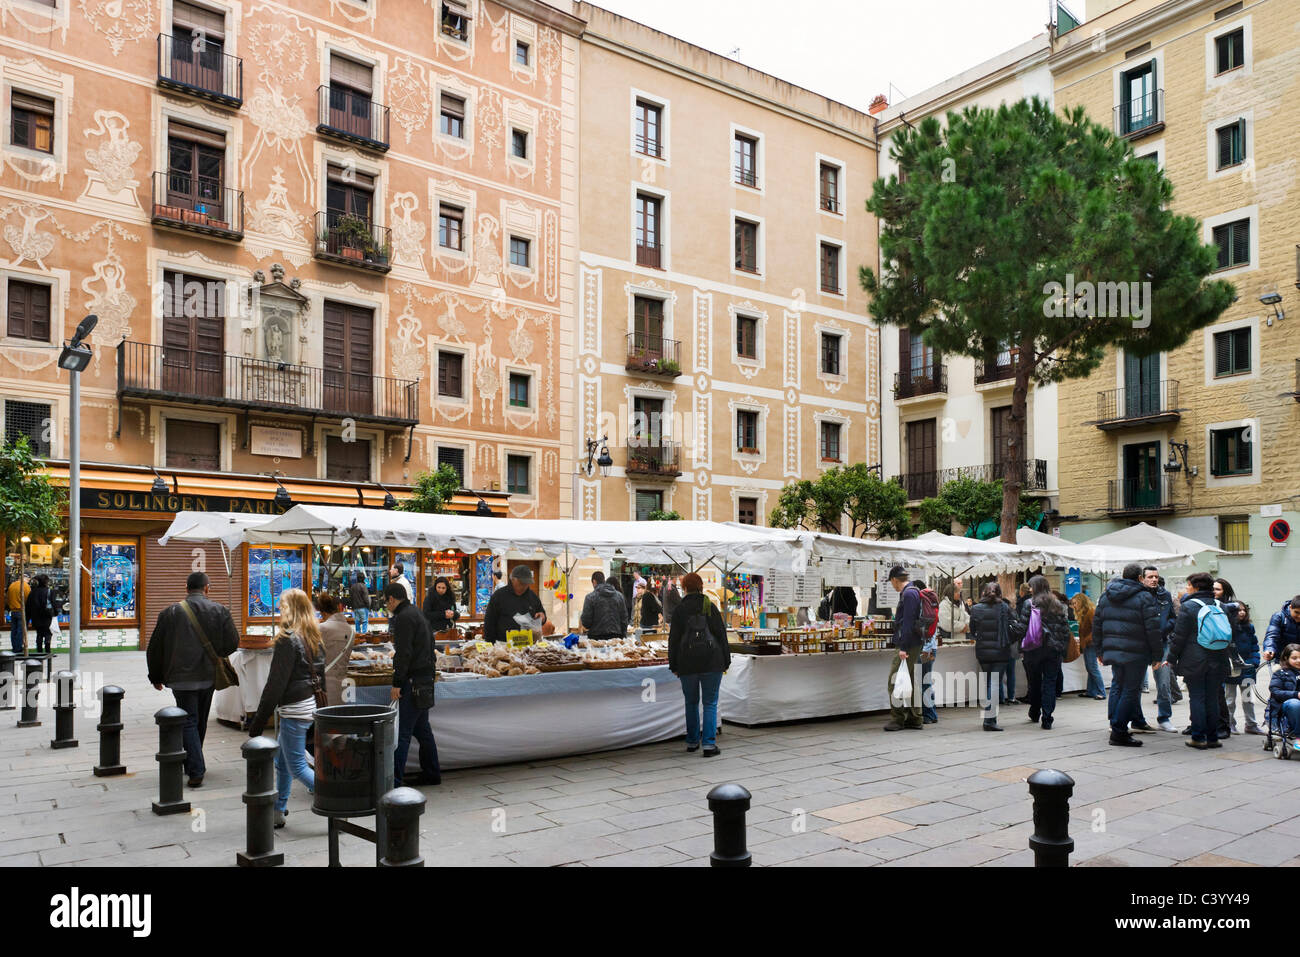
x=516, y=598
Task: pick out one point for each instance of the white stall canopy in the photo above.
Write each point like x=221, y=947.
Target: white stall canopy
x=1147, y=538
x=1090, y=557
x=225, y=527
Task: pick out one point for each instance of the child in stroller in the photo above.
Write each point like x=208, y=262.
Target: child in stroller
x=1284, y=704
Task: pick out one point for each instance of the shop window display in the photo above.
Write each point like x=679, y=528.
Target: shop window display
x=272, y=571
x=47, y=557
x=114, y=580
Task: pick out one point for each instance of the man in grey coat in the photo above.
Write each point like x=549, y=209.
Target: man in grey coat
x=604, y=613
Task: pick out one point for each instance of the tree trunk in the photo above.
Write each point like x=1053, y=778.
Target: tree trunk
x=1013, y=464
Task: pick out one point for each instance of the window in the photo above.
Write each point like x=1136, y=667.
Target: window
x=450, y=381
x=348, y=192
x=1139, y=99
x=830, y=354
x=746, y=337
x=1234, y=533
x=349, y=94
x=830, y=188
x=455, y=458
x=648, y=503
x=830, y=261
x=1231, y=141
x=347, y=461
x=745, y=155
x=193, y=445
x=1231, y=452
x=648, y=123
x=27, y=311
x=1233, y=240
x=519, y=144
x=519, y=383
x=31, y=122
x=747, y=511
x=647, y=231
x=746, y=431
x=830, y=444
x=195, y=168
x=517, y=467
x=520, y=252
x=648, y=322
x=452, y=110
x=451, y=227
x=746, y=246
x=197, y=48
x=32, y=419
x=522, y=54
x=455, y=20
x=1230, y=51
x=1231, y=352
x=1003, y=432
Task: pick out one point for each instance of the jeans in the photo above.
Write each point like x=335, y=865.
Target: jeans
x=1247, y=700
x=1123, y=707
x=1164, y=703
x=16, y=627
x=1096, y=681
x=1204, y=694
x=196, y=705
x=413, y=721
x=995, y=680
x=1290, y=717
x=1042, y=670
x=927, y=693
x=361, y=617
x=291, y=761
x=1009, y=681
x=706, y=685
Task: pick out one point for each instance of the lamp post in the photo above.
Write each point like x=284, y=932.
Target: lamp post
x=74, y=358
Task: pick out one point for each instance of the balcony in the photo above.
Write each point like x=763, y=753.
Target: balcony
x=1033, y=474
x=147, y=371
x=206, y=72
x=351, y=241
x=746, y=177
x=999, y=369
x=652, y=355
x=919, y=485
x=197, y=204
x=660, y=462
x=1142, y=116
x=830, y=203
x=914, y=383
x=1138, y=496
x=348, y=116
x=1155, y=404
x=648, y=256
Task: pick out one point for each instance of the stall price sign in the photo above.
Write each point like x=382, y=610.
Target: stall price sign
x=779, y=591
x=807, y=590
x=519, y=639
x=886, y=597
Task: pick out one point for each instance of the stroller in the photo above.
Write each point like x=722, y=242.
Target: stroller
x=1278, y=741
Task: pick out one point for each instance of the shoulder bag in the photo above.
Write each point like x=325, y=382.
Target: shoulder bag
x=223, y=672
x=317, y=688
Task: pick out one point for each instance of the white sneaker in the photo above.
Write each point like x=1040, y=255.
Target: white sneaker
x=1168, y=726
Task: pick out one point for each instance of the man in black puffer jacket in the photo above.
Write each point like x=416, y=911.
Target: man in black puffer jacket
x=413, y=669
x=1127, y=633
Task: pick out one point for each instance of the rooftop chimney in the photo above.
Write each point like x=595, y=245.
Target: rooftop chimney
x=879, y=104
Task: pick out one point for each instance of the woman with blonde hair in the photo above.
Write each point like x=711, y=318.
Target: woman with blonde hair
x=297, y=678
x=1083, y=612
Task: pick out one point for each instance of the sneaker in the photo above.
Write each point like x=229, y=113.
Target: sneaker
x=712, y=752
x=279, y=818
x=1142, y=729
x=1124, y=740
x=1198, y=745
x=1187, y=730
x=1168, y=725
x=1254, y=729
x=1214, y=744
x=893, y=727
x=1047, y=724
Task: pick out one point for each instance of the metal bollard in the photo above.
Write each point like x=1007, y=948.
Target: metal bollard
x=8, y=681
x=729, y=802
x=64, y=710
x=110, y=733
x=171, y=761
x=259, y=797
x=401, y=809
x=1051, y=841
x=31, y=692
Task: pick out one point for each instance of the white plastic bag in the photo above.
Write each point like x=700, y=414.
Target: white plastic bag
x=902, y=683
x=529, y=623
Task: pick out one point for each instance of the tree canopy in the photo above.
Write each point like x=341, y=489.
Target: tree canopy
x=855, y=493
x=433, y=491
x=29, y=504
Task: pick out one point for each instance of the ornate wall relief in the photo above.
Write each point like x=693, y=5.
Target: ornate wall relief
x=551, y=255
x=272, y=216
x=487, y=257
x=41, y=21
x=27, y=241
x=110, y=176
x=749, y=463
x=792, y=373
x=119, y=21
x=748, y=367
x=549, y=57
x=408, y=232
x=793, y=441
x=281, y=122
x=592, y=301
x=704, y=332
x=408, y=96
x=491, y=122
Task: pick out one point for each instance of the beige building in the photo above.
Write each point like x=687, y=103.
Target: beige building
x=723, y=346
x=1203, y=439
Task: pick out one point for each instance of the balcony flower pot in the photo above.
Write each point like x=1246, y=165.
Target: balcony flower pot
x=195, y=218
x=219, y=224
x=351, y=252
x=668, y=367
x=163, y=211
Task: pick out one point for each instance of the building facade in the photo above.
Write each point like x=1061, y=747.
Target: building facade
x=1203, y=439
x=723, y=346
x=950, y=416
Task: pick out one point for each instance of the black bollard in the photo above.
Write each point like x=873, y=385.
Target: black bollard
x=64, y=710
x=729, y=802
x=1051, y=841
x=401, y=809
x=8, y=681
x=171, y=761
x=31, y=692
x=110, y=733
x=259, y=798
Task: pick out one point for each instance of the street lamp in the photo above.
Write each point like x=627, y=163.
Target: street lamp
x=282, y=497
x=74, y=358
x=1178, y=450
x=390, y=501
x=603, y=460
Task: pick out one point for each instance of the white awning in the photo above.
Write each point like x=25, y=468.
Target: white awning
x=1148, y=538
x=225, y=527
x=1090, y=557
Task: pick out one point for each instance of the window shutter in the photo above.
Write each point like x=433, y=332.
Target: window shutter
x=1221, y=241
x=1225, y=147
x=1155, y=100
x=16, y=308
x=347, y=72
x=1222, y=354
x=196, y=134
x=211, y=23
x=1241, y=242
x=1240, y=156
x=25, y=101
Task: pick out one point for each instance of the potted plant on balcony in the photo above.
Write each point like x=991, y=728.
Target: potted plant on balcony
x=352, y=236
x=378, y=253
x=668, y=367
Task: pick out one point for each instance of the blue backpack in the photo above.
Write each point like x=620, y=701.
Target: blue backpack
x=1213, y=630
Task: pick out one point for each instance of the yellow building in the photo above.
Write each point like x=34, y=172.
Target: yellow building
x=1203, y=439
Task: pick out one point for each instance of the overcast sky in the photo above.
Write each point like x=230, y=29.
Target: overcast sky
x=819, y=44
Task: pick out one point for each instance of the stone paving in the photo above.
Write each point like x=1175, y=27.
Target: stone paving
x=826, y=793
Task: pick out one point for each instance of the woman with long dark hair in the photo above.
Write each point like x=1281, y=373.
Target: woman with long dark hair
x=440, y=606
x=990, y=627
x=1044, y=632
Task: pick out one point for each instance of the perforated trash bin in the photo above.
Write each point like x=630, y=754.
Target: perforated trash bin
x=354, y=758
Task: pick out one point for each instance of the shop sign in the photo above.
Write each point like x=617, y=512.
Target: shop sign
x=111, y=500
x=284, y=443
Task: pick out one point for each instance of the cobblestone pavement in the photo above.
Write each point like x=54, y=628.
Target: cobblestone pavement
x=826, y=793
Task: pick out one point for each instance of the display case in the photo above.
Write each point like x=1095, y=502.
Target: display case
x=116, y=571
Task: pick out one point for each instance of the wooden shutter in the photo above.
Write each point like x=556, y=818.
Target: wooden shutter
x=347, y=461
x=29, y=311
x=193, y=445
x=1222, y=353
x=450, y=369
x=350, y=73
x=1241, y=242
x=189, y=16
x=196, y=134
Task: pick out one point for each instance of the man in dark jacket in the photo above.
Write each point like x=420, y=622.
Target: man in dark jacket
x=1202, y=669
x=844, y=600
x=604, y=613
x=359, y=599
x=176, y=657
x=1283, y=629
x=413, y=672
x=1126, y=631
x=1164, y=674
x=908, y=643
x=510, y=600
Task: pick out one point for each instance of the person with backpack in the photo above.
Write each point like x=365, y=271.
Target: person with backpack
x=930, y=648
x=911, y=631
x=1241, y=681
x=990, y=627
x=1044, y=633
x=1127, y=634
x=698, y=655
x=1199, y=653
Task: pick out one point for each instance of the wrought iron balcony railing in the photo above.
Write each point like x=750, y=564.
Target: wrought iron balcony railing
x=1140, y=495
x=197, y=204
x=347, y=115
x=199, y=67
x=1141, y=115
x=927, y=380
x=1152, y=404
x=351, y=241
x=652, y=355
x=660, y=460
